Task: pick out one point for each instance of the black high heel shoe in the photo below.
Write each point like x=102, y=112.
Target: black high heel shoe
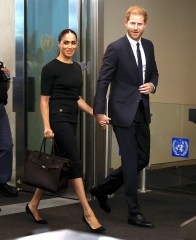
x=94, y=230
x=28, y=210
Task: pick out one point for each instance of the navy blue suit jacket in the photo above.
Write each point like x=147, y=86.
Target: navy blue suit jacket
x=119, y=70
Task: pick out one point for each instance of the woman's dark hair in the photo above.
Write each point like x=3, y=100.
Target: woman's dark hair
x=65, y=31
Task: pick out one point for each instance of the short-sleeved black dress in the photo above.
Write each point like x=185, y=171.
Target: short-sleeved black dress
x=63, y=83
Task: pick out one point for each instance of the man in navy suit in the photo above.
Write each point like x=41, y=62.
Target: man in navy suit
x=130, y=69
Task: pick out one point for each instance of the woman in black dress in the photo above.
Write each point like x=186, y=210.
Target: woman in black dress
x=61, y=83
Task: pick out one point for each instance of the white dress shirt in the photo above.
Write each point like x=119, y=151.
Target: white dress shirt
x=134, y=48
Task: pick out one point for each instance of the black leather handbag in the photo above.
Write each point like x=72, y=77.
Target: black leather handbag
x=46, y=171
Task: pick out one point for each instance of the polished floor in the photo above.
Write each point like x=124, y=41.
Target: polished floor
x=46, y=203
x=167, y=210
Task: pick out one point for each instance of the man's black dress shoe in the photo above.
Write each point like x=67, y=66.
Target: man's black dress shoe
x=101, y=198
x=7, y=190
x=139, y=220
x=94, y=230
x=28, y=210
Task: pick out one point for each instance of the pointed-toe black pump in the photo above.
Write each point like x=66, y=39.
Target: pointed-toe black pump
x=94, y=230
x=28, y=210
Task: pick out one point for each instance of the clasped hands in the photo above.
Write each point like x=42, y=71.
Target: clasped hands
x=103, y=120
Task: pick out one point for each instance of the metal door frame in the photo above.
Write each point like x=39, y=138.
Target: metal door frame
x=96, y=139
x=19, y=86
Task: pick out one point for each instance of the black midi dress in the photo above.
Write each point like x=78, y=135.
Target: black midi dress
x=63, y=83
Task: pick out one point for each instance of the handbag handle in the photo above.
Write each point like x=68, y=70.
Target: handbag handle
x=54, y=145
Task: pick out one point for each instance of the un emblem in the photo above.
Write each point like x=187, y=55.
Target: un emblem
x=47, y=42
x=180, y=147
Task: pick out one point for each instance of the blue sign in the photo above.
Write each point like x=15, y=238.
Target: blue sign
x=180, y=147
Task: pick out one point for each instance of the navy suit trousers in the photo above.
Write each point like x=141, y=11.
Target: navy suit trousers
x=6, y=147
x=134, y=144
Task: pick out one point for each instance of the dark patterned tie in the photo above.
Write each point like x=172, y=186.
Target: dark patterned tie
x=139, y=58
